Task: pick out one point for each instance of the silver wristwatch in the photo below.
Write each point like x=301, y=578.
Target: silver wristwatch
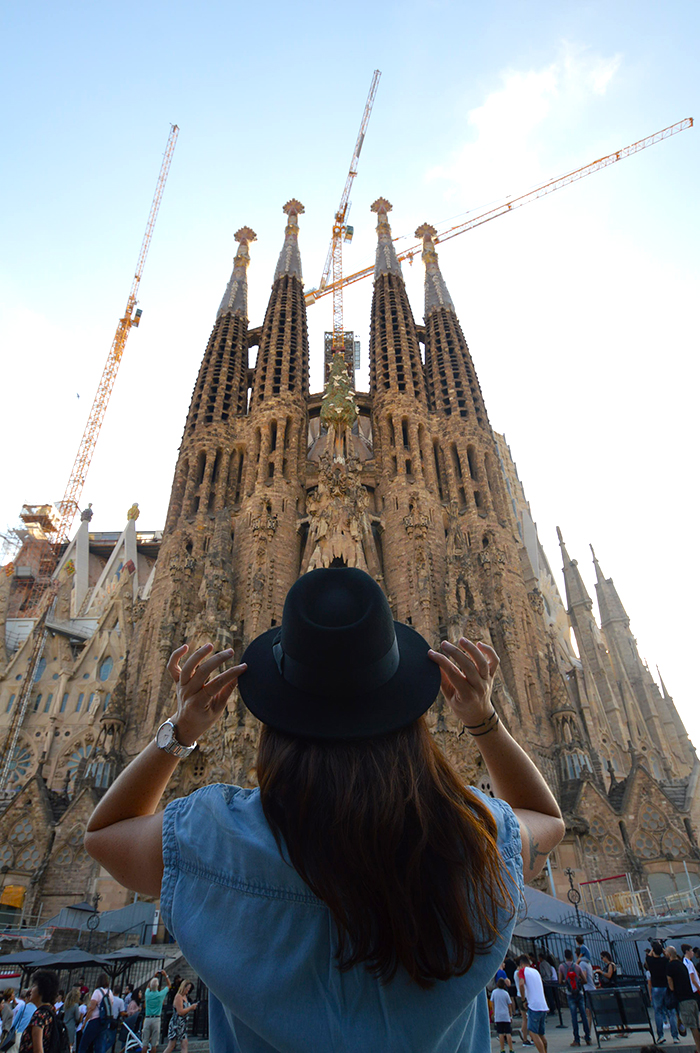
x=165, y=740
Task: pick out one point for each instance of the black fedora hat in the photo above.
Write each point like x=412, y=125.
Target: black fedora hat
x=340, y=666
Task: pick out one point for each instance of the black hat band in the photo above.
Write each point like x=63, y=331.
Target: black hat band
x=317, y=682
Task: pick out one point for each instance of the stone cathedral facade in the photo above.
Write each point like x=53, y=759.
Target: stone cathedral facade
x=408, y=482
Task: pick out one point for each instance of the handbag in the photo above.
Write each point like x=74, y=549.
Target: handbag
x=9, y=1040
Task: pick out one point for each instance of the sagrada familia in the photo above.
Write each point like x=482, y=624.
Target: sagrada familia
x=408, y=482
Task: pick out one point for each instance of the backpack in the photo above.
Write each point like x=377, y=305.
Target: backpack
x=106, y=1011
x=572, y=981
x=60, y=1041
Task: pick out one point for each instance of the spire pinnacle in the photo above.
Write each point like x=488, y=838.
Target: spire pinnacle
x=575, y=589
x=600, y=577
x=289, y=263
x=436, y=294
x=386, y=261
x=664, y=690
x=236, y=296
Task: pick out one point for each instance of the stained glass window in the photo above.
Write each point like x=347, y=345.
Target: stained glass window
x=106, y=668
x=22, y=832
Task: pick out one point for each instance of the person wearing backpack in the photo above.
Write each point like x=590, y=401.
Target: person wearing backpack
x=572, y=978
x=99, y=1030
x=39, y=1034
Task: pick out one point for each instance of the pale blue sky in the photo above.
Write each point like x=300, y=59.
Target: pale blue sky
x=580, y=310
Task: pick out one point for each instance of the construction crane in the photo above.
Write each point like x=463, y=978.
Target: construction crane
x=45, y=587
x=510, y=204
x=131, y=317
x=342, y=232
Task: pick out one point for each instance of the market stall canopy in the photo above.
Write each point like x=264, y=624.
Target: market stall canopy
x=142, y=954
x=25, y=958
x=73, y=958
x=533, y=928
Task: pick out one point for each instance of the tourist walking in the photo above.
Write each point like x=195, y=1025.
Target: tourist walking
x=502, y=1013
x=679, y=983
x=154, y=999
x=182, y=1007
x=657, y=965
x=689, y=962
x=6, y=1014
x=21, y=1018
x=532, y=993
x=71, y=1014
x=573, y=980
x=322, y=908
x=96, y=1030
x=37, y=1034
x=588, y=984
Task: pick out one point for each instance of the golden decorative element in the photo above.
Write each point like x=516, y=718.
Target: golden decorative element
x=381, y=205
x=245, y=234
x=133, y=512
x=293, y=207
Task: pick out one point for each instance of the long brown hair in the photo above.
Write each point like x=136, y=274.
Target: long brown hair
x=385, y=833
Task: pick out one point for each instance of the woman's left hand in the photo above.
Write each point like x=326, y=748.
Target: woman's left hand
x=201, y=701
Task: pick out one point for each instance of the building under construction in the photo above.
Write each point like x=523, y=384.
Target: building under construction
x=407, y=481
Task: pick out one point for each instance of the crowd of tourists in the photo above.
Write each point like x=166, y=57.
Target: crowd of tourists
x=45, y=1020
x=524, y=991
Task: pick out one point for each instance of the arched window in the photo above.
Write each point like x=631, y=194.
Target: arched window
x=105, y=669
x=39, y=671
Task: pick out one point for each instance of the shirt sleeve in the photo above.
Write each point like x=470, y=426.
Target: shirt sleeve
x=509, y=844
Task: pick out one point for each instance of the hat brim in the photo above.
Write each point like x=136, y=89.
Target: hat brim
x=406, y=696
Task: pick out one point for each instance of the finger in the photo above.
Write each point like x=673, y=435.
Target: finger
x=479, y=660
x=491, y=656
x=449, y=670
x=173, y=665
x=222, y=696
x=205, y=669
x=188, y=669
x=227, y=679
x=447, y=687
x=464, y=663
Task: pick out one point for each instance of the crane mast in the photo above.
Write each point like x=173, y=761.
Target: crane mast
x=510, y=204
x=76, y=481
x=45, y=587
x=334, y=258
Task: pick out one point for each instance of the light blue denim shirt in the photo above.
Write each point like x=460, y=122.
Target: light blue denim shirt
x=265, y=945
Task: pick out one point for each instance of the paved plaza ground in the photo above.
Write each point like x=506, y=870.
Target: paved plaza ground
x=559, y=1040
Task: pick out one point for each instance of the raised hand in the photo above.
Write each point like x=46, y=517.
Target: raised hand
x=201, y=701
x=467, y=671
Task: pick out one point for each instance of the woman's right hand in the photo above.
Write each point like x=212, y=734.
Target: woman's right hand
x=201, y=701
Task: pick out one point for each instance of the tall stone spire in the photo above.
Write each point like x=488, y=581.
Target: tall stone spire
x=386, y=261
x=283, y=357
x=235, y=299
x=219, y=399
x=289, y=262
x=453, y=386
x=609, y=602
x=394, y=354
x=576, y=594
x=436, y=294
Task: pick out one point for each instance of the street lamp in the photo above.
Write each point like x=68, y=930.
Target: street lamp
x=573, y=895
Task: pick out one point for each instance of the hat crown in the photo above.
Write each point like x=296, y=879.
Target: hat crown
x=337, y=617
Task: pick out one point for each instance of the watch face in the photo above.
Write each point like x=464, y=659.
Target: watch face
x=164, y=735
